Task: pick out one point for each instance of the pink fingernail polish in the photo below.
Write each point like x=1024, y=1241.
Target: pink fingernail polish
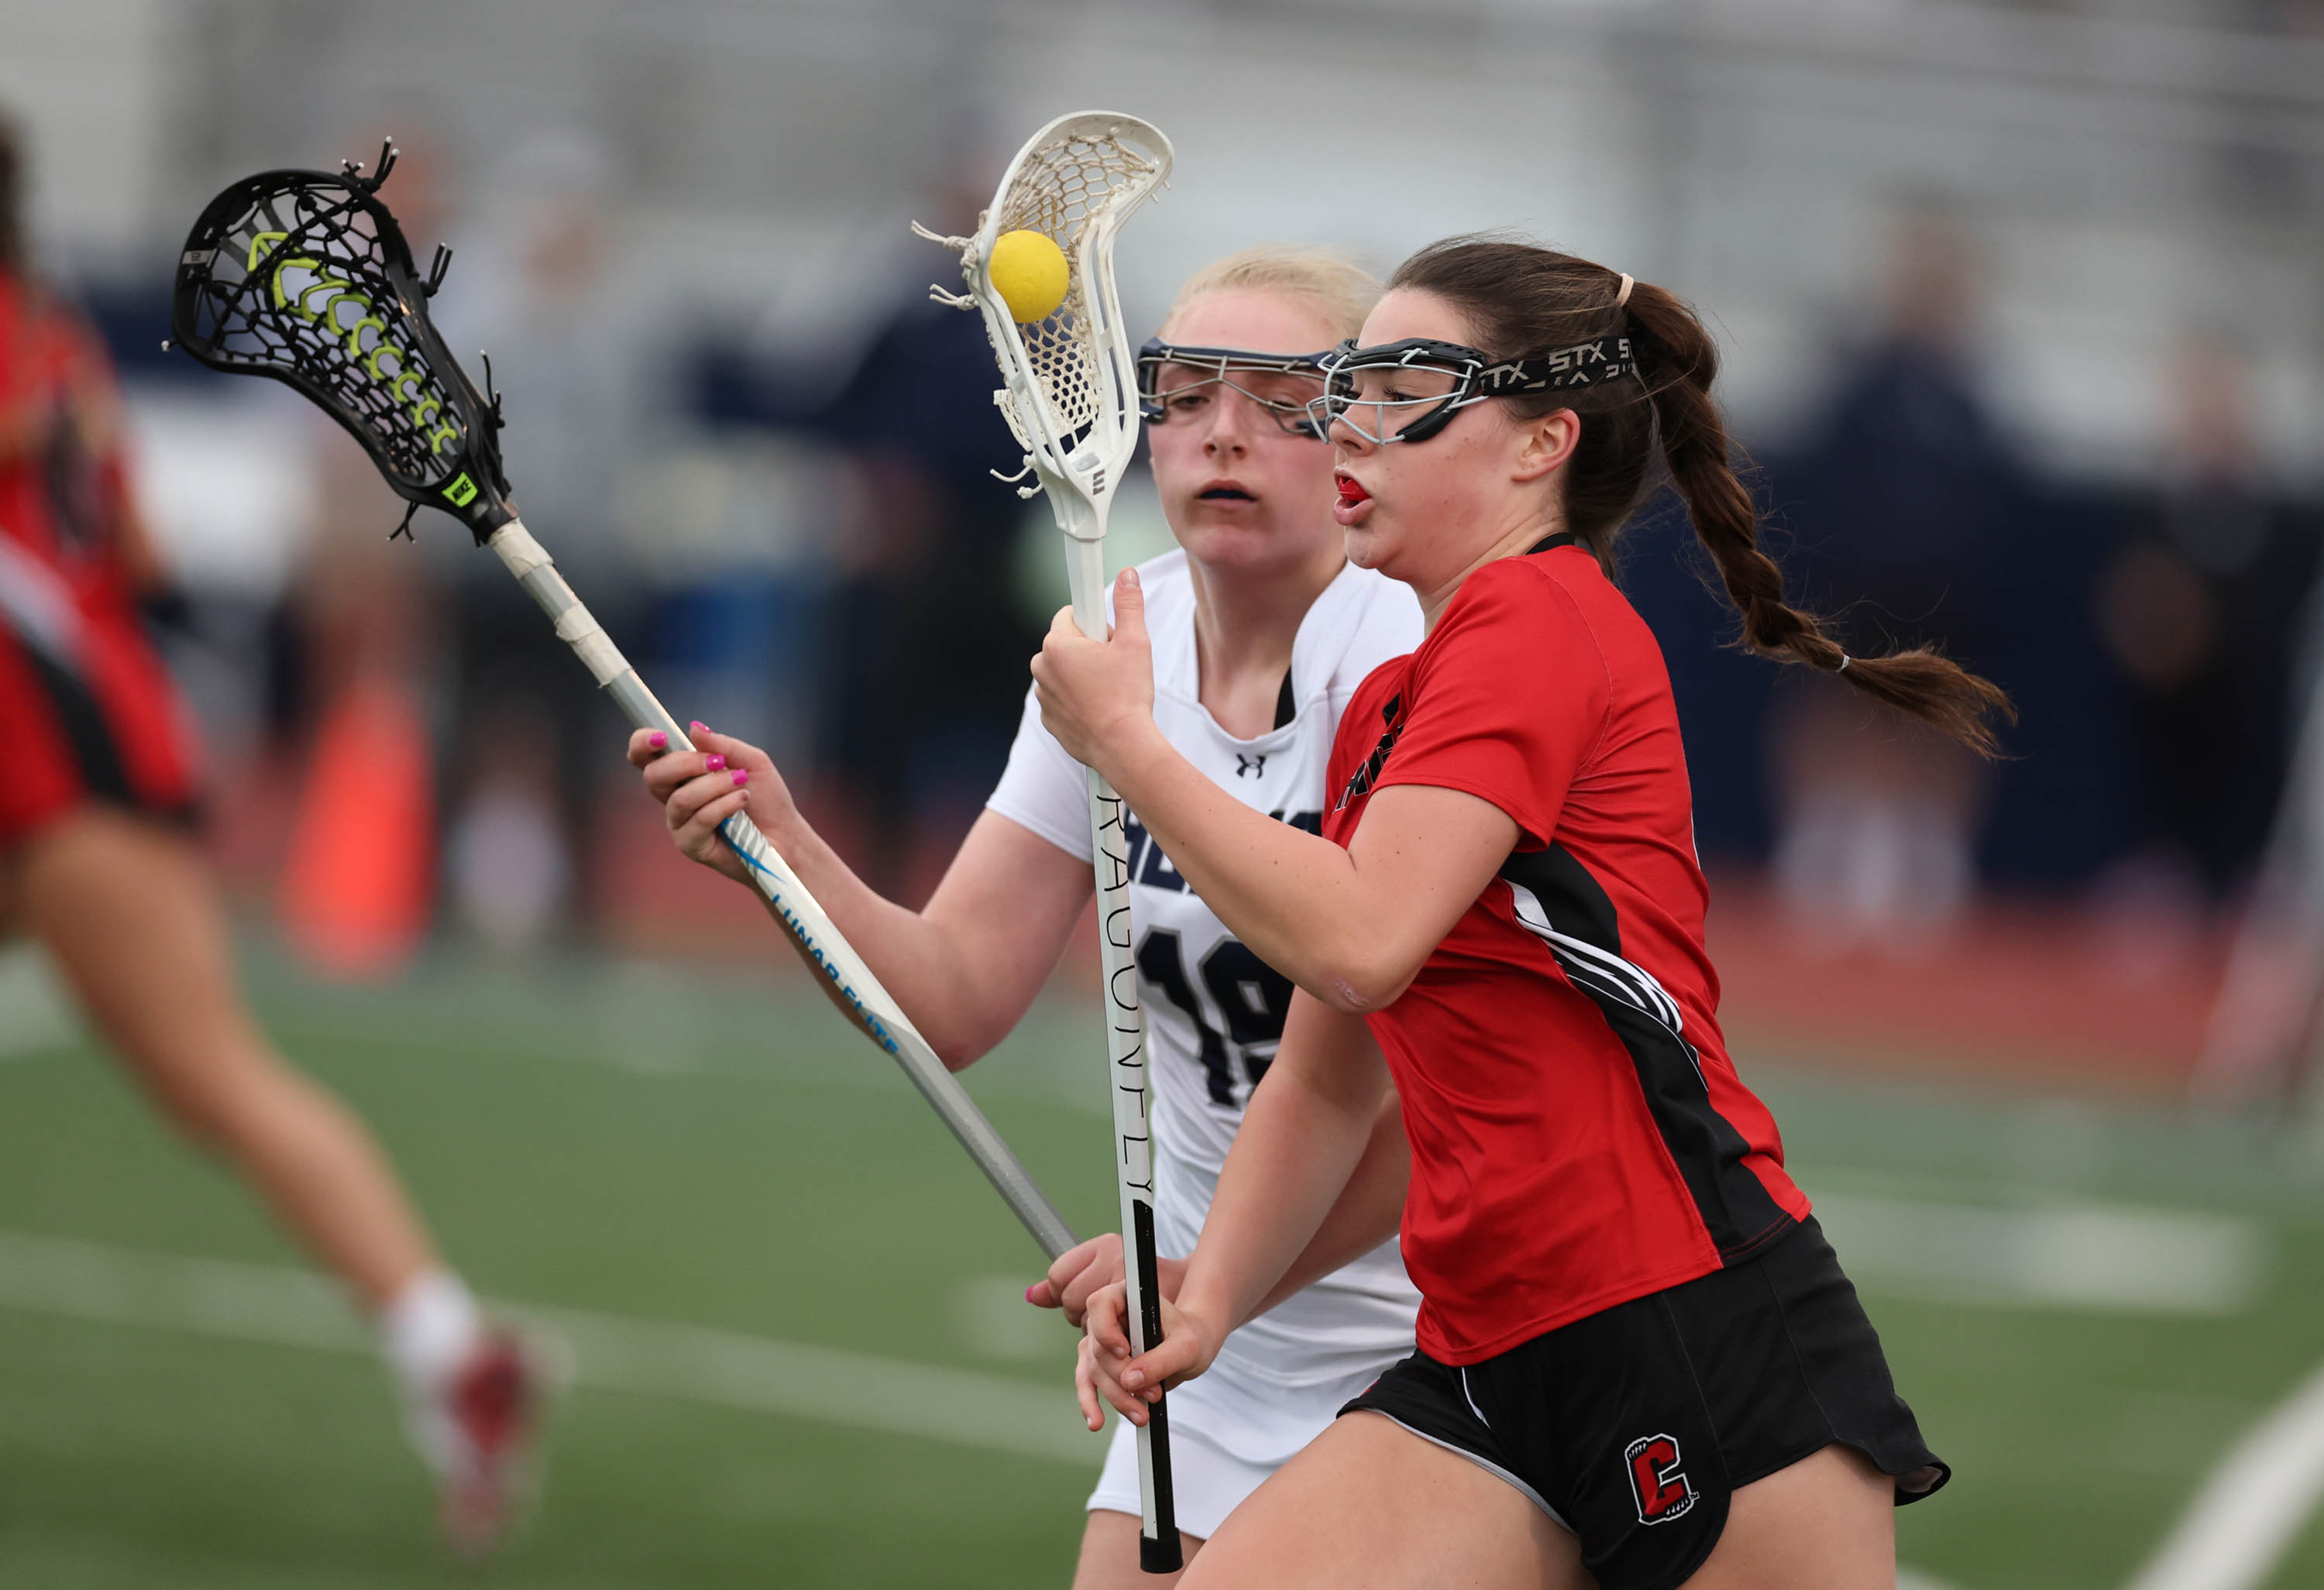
x=659, y=740
x=713, y=763
x=698, y=726
x=742, y=776
x=1030, y=1290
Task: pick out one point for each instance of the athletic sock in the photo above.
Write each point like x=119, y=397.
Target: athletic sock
x=427, y=1329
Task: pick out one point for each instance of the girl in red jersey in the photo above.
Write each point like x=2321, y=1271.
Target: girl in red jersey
x=1639, y=1364
x=97, y=793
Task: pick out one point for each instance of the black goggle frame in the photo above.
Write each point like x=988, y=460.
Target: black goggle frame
x=1477, y=376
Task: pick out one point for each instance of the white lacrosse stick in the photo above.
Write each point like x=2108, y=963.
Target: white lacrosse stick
x=1072, y=398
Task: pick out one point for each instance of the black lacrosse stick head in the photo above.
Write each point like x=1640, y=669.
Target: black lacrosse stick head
x=304, y=277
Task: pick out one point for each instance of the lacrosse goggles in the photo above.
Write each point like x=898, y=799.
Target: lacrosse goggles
x=1408, y=390
x=1176, y=384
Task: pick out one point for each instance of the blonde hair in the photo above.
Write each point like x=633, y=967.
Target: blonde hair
x=1340, y=289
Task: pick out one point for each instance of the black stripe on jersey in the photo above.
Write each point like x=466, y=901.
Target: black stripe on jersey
x=1286, y=705
x=90, y=736
x=1578, y=922
x=1361, y=780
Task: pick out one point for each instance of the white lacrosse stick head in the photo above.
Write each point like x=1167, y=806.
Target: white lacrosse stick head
x=1071, y=395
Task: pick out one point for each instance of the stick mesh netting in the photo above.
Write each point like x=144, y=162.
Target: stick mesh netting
x=1060, y=191
x=299, y=286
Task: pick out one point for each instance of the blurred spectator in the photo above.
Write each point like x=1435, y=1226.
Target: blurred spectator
x=2301, y=16
x=529, y=729
x=2214, y=611
x=927, y=641
x=1897, y=503
x=2261, y=1040
x=2199, y=608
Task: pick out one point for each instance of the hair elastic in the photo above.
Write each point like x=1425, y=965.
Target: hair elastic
x=1623, y=297
x=1844, y=660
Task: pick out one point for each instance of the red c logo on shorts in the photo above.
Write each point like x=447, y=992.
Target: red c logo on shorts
x=1657, y=1484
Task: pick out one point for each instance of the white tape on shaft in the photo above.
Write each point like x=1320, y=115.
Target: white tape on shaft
x=579, y=630
x=518, y=549
x=523, y=557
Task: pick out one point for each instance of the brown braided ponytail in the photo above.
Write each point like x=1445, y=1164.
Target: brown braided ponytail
x=1521, y=300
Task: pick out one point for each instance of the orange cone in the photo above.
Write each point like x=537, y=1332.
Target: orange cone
x=358, y=880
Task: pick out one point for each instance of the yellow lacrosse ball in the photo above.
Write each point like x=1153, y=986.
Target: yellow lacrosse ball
x=1028, y=271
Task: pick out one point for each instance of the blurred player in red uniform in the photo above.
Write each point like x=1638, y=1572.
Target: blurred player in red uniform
x=99, y=862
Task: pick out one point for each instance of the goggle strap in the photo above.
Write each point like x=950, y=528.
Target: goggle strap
x=1584, y=364
x=1580, y=365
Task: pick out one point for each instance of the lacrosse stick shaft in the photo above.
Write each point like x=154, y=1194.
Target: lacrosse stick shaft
x=1125, y=1023
x=874, y=1011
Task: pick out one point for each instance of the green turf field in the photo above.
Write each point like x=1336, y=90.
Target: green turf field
x=708, y=1180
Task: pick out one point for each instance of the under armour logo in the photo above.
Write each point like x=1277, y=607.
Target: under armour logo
x=1253, y=764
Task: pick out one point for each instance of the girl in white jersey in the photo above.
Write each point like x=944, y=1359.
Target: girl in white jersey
x=1261, y=630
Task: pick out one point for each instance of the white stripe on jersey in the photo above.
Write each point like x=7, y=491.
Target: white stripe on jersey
x=1603, y=972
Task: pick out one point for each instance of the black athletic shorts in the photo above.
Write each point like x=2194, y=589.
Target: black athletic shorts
x=1632, y=1427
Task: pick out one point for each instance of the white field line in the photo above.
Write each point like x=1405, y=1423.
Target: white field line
x=298, y=1308
x=2110, y=1257
x=293, y=1307
x=1911, y=1579
x=35, y=1014
x=2252, y=1507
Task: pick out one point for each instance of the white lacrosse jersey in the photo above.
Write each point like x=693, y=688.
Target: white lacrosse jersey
x=1214, y=1010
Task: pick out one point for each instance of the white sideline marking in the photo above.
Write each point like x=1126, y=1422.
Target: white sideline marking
x=990, y=1316
x=35, y=1013
x=2252, y=1507
x=2115, y=1258
x=1911, y=1579
x=293, y=1307
x=298, y=1308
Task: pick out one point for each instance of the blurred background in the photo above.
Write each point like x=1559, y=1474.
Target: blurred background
x=2023, y=309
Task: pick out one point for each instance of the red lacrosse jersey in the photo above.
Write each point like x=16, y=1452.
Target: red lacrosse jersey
x=59, y=487
x=1579, y=1135
x=87, y=709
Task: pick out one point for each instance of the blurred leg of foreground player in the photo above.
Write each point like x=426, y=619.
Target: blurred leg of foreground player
x=97, y=862
x=125, y=906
